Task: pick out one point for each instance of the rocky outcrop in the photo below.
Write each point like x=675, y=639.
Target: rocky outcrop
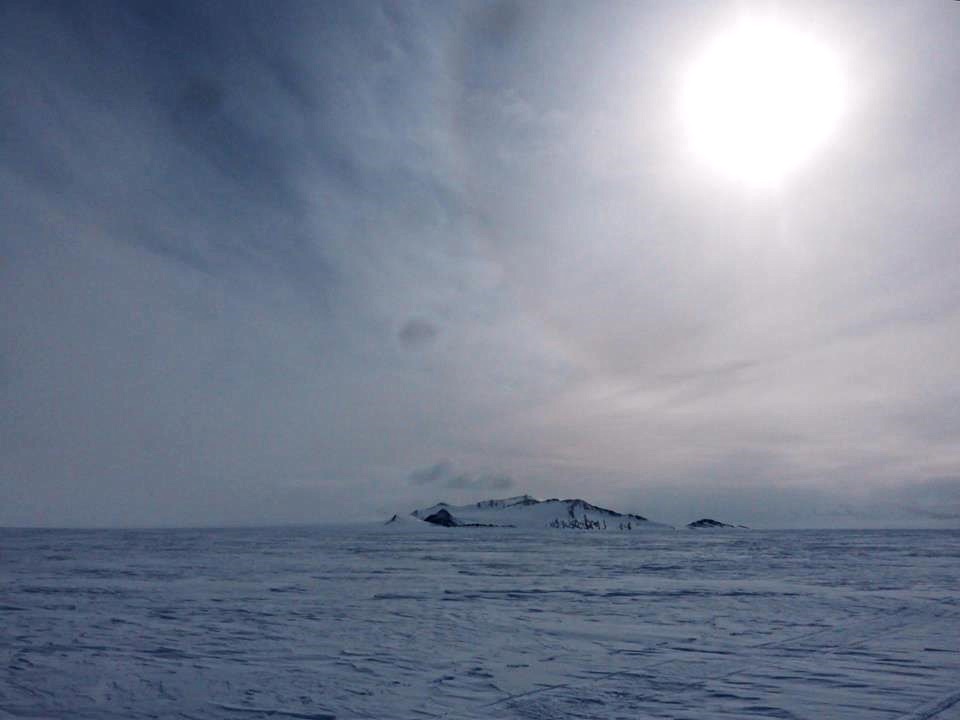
x=441, y=517
x=711, y=524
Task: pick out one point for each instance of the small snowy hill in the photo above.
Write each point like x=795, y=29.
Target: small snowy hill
x=527, y=512
x=711, y=524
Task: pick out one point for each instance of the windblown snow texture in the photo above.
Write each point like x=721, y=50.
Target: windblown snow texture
x=410, y=620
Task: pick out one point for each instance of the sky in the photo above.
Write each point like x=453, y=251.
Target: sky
x=312, y=262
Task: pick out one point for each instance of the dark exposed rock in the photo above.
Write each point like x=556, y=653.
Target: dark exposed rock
x=575, y=504
x=509, y=502
x=711, y=523
x=442, y=517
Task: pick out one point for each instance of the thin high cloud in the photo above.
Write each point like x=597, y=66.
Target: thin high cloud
x=443, y=475
x=417, y=332
x=258, y=263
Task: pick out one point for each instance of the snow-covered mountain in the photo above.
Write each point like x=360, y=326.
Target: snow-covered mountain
x=527, y=512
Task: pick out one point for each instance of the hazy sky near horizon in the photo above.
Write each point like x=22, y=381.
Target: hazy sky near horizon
x=296, y=261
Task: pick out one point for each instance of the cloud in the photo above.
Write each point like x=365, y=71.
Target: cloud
x=442, y=475
x=936, y=498
x=417, y=332
x=234, y=233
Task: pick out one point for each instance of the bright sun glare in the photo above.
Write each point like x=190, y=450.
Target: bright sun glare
x=760, y=100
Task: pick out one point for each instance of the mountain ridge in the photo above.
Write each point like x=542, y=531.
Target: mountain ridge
x=526, y=511
x=711, y=524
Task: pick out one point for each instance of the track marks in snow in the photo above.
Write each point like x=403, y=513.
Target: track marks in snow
x=761, y=669
x=274, y=712
x=542, y=625
x=949, y=704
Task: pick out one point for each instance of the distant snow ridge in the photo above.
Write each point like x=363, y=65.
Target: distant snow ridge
x=524, y=511
x=711, y=524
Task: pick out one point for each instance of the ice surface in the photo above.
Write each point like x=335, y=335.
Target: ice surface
x=479, y=623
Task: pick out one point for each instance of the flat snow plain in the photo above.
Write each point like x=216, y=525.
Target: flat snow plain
x=479, y=623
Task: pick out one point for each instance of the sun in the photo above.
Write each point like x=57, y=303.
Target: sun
x=760, y=101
